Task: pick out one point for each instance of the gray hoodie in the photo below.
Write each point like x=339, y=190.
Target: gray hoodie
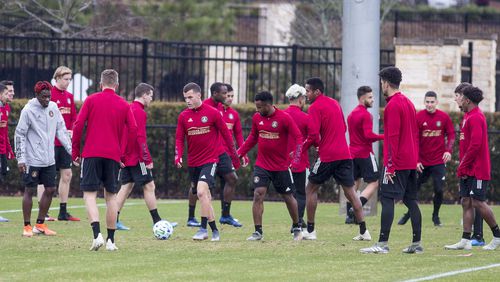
x=35, y=133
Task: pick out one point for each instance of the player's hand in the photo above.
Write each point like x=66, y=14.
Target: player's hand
x=446, y=157
x=149, y=166
x=76, y=162
x=22, y=167
x=178, y=162
x=389, y=176
x=245, y=161
x=420, y=167
x=10, y=155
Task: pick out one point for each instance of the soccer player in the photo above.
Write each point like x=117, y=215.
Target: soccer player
x=360, y=125
x=271, y=131
x=296, y=94
x=327, y=131
x=6, y=152
x=107, y=116
x=202, y=126
x=38, y=125
x=400, y=162
x=436, y=138
x=474, y=169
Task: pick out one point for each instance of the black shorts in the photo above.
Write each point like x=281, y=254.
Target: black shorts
x=474, y=188
x=282, y=180
x=40, y=175
x=403, y=188
x=225, y=165
x=138, y=174
x=341, y=171
x=299, y=181
x=366, y=168
x=97, y=172
x=205, y=173
x=437, y=172
x=63, y=159
x=3, y=166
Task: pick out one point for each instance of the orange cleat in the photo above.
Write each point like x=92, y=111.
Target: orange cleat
x=27, y=231
x=43, y=229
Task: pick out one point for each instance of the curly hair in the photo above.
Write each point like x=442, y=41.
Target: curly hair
x=392, y=75
x=42, y=85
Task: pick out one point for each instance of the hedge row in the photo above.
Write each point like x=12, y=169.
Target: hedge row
x=172, y=182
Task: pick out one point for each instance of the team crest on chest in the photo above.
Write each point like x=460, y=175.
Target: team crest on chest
x=438, y=123
x=51, y=113
x=204, y=119
x=69, y=101
x=231, y=116
x=274, y=124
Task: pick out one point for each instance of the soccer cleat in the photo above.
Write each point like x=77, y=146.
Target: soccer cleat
x=378, y=248
x=67, y=217
x=363, y=237
x=28, y=231
x=297, y=233
x=414, y=248
x=97, y=243
x=495, y=243
x=464, y=244
x=174, y=224
x=192, y=222
x=256, y=236
x=230, y=221
x=201, y=234
x=436, y=221
x=43, y=229
x=110, y=246
x=3, y=219
x=308, y=236
x=120, y=226
x=404, y=219
x=215, y=236
x=350, y=220
x=477, y=242
x=49, y=218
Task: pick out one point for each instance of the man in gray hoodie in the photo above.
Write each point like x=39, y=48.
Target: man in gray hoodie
x=38, y=125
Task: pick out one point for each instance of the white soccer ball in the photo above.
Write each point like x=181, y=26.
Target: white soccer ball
x=162, y=230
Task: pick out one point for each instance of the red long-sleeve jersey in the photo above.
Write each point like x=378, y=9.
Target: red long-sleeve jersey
x=137, y=148
x=202, y=127
x=66, y=104
x=5, y=147
x=400, y=134
x=360, y=125
x=272, y=134
x=327, y=130
x=219, y=107
x=474, y=150
x=436, y=136
x=232, y=120
x=107, y=116
x=301, y=119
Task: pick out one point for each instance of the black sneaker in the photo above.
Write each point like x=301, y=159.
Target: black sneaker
x=350, y=213
x=436, y=221
x=350, y=220
x=404, y=219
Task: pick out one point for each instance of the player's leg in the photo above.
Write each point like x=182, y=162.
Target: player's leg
x=467, y=217
x=479, y=203
x=358, y=174
x=39, y=194
x=477, y=234
x=47, y=176
x=261, y=181
x=226, y=170
x=27, y=206
x=90, y=182
x=320, y=172
x=192, y=198
x=438, y=180
x=299, y=180
x=121, y=197
x=150, y=199
x=109, y=176
x=206, y=180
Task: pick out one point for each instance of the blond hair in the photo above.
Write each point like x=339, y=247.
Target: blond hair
x=61, y=71
x=109, y=77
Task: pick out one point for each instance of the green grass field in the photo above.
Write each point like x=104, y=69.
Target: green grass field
x=142, y=258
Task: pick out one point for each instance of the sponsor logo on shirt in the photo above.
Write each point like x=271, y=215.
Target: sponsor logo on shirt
x=230, y=125
x=269, y=135
x=65, y=110
x=198, y=130
x=204, y=119
x=431, y=133
x=3, y=123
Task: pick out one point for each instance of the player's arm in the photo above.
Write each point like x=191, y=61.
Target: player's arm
x=73, y=115
x=62, y=132
x=144, y=155
x=179, y=142
x=296, y=136
x=313, y=129
x=78, y=129
x=251, y=141
x=238, y=135
x=131, y=126
x=226, y=135
x=472, y=151
x=450, y=139
x=368, y=129
x=393, y=135
x=20, y=139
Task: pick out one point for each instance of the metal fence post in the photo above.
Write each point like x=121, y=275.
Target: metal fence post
x=145, y=44
x=466, y=22
x=396, y=18
x=294, y=63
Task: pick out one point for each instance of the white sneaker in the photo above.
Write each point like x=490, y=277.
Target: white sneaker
x=495, y=243
x=110, y=246
x=378, y=248
x=309, y=236
x=363, y=237
x=464, y=244
x=97, y=243
x=297, y=234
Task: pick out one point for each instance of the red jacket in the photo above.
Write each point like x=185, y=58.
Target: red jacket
x=5, y=147
x=327, y=130
x=474, y=151
x=107, y=116
x=66, y=104
x=232, y=120
x=301, y=119
x=400, y=134
x=360, y=124
x=272, y=134
x=137, y=148
x=219, y=107
x=436, y=136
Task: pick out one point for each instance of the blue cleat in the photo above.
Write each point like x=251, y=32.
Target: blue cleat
x=477, y=243
x=192, y=222
x=201, y=234
x=229, y=220
x=3, y=219
x=120, y=226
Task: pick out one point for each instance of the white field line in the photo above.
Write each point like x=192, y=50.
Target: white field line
x=451, y=273
x=99, y=205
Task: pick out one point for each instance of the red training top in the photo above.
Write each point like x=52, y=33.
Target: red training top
x=436, y=136
x=5, y=147
x=301, y=119
x=360, y=124
x=232, y=119
x=218, y=106
x=137, y=148
x=66, y=104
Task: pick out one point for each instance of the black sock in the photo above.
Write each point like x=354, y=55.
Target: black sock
x=466, y=235
x=96, y=228
x=496, y=231
x=26, y=223
x=437, y=201
x=258, y=228
x=310, y=227
x=386, y=218
x=62, y=208
x=155, y=216
x=226, y=207
x=191, y=212
x=478, y=224
x=40, y=221
x=204, y=221
x=416, y=219
x=118, y=216
x=111, y=235
x=362, y=227
x=348, y=206
x=363, y=200
x=212, y=225
x=295, y=225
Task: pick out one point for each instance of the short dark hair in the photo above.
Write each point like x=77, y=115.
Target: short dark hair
x=363, y=90
x=316, y=84
x=392, y=75
x=191, y=86
x=460, y=88
x=474, y=94
x=142, y=89
x=264, y=96
x=215, y=87
x=229, y=87
x=7, y=82
x=431, y=94
x=3, y=87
